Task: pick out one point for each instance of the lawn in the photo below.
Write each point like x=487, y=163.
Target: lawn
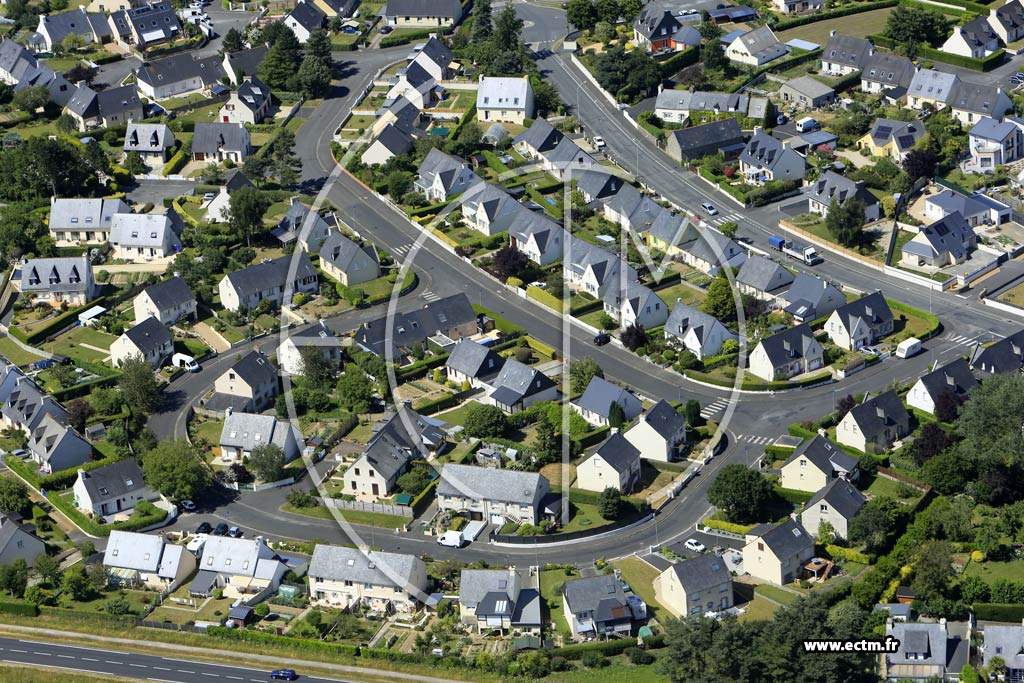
x=15, y=354
x=857, y=25
x=1014, y=296
x=775, y=593
x=201, y=114
x=907, y=325
x=683, y=293
x=759, y=609
x=361, y=433
x=70, y=344
x=640, y=576
x=815, y=224
x=551, y=581
x=341, y=41
x=902, y=237
x=617, y=671
x=993, y=571
x=352, y=516
x=584, y=516
x=893, y=489
x=175, y=102
x=209, y=431
x=456, y=416
x=457, y=101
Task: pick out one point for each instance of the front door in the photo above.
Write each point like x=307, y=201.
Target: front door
x=375, y=489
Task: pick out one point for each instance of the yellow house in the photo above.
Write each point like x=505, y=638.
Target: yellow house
x=695, y=587
x=777, y=554
x=816, y=463
x=423, y=13
x=891, y=139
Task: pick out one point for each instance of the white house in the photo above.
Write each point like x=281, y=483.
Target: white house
x=975, y=39
x=836, y=504
x=698, y=332
x=78, y=220
x=348, y=578
x=492, y=494
x=168, y=301
x=659, y=433
x=816, y=463
x=58, y=280
x=538, y=237
x=267, y=281
x=243, y=432
x=317, y=335
x=149, y=338
x=250, y=103
x=423, y=13
x=765, y=158
x=140, y=560
x=635, y=304
x=347, y=262
x=860, y=322
x=151, y=141
x=247, y=570
x=695, y=587
x=508, y=100
x=786, y=354
x=143, y=236
x=950, y=382
x=218, y=142
x=595, y=403
x=111, y=490
x=1007, y=21
x=442, y=176
x=756, y=48
x=304, y=18
x=875, y=423
x=249, y=385
x=612, y=464
x=777, y=554
x=598, y=605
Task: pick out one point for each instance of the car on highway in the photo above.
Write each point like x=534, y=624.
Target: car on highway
x=204, y=528
x=235, y=532
x=694, y=545
x=187, y=506
x=283, y=675
x=220, y=530
x=602, y=339
x=599, y=142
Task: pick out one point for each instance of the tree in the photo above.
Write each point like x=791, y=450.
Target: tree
x=947, y=406
x=134, y=163
x=315, y=76
x=581, y=371
x=609, y=505
x=933, y=569
x=875, y=523
x=845, y=405
x=509, y=261
x=267, y=462
x=73, y=42
x=719, y=301
x=713, y=56
x=31, y=99
x=920, y=163
x=14, y=577
x=845, y=222
x=106, y=400
x=691, y=411
x=66, y=125
x=355, y=390
x=285, y=163
x=709, y=30
x=13, y=496
x=245, y=213
x=545, y=96
x=233, y=41
x=547, y=444
x=137, y=384
x=317, y=370
x=277, y=69
x=634, y=336
x=414, y=481
x=75, y=584
x=616, y=415
x=319, y=45
x=483, y=23
x=79, y=412
x=911, y=25
x=176, y=469
x=397, y=183
x=740, y=493
x=932, y=441
x=729, y=229
x=485, y=421
x=48, y=569
x=581, y=13
x=608, y=10
x=118, y=605
x=508, y=31
x=604, y=32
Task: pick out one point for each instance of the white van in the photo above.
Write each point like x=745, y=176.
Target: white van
x=908, y=347
x=806, y=125
x=183, y=360
x=452, y=539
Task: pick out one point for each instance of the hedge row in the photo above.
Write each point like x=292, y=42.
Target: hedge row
x=778, y=452
x=542, y=348
x=793, y=496
x=608, y=647
x=24, y=609
x=176, y=162
x=421, y=502
x=930, y=53
x=545, y=298
x=584, y=497
x=757, y=384
x=299, y=644
x=85, y=388
x=680, y=61
x=835, y=14
x=67, y=506
x=470, y=115
x=722, y=525
x=797, y=430
x=65, y=478
x=440, y=404
x=406, y=38
x=994, y=611
x=420, y=367
x=55, y=325
x=427, y=210
x=847, y=554
x=933, y=320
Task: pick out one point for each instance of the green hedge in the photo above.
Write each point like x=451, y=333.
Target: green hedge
x=427, y=210
x=420, y=367
x=176, y=162
x=470, y=115
x=835, y=14
x=722, y=525
x=608, y=647
x=406, y=38
x=545, y=298
x=933, y=320
x=500, y=323
x=19, y=467
x=396, y=656
x=680, y=61
x=994, y=611
x=584, y=497
x=797, y=430
x=756, y=384
x=55, y=325
x=926, y=52
x=24, y=609
x=793, y=495
x=438, y=405
x=779, y=452
x=298, y=644
x=66, y=478
x=85, y=388
x=847, y=554
x=421, y=502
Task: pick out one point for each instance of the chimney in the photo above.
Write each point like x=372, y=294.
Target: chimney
x=661, y=87
x=227, y=412
x=293, y=201
x=758, y=129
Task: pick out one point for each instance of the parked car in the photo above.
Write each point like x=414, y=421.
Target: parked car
x=235, y=532
x=871, y=351
x=602, y=339
x=204, y=528
x=694, y=545
x=283, y=675
x=221, y=529
x=599, y=142
x=187, y=506
x=386, y=30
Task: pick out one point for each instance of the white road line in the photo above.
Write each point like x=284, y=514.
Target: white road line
x=138, y=666
x=89, y=659
x=161, y=668
x=111, y=661
x=24, y=652
x=236, y=678
x=185, y=671
x=65, y=656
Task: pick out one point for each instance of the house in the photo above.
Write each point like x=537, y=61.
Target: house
x=765, y=159
x=318, y=336
x=632, y=303
x=246, y=570
x=945, y=242
x=777, y=554
x=217, y=142
x=806, y=92
x=18, y=542
x=168, y=301
x=57, y=280
x=696, y=331
x=597, y=606
x=538, y=139
x=786, y=354
x=492, y=495
x=615, y=463
x=977, y=209
x=519, y=386
x=404, y=437
x=732, y=14
x=975, y=39
x=1005, y=641
x=926, y=651
x=756, y=48
x=178, y=74
x=695, y=587
x=810, y=298
x=15, y=62
x=250, y=103
x=885, y=72
x=593, y=269
x=815, y=464
x=678, y=106
x=861, y=322
x=762, y=278
x=657, y=30
x=415, y=84
x=1004, y=356
x=25, y=404
x=707, y=250
x=140, y=560
x=248, y=386
x=350, y=578
x=695, y=142
x=347, y=262
x=145, y=25
x=244, y=432
x=489, y=209
x=238, y=65
x=151, y=141
x=659, y=433
x=435, y=58
x=973, y=101
x=836, y=504
x=1007, y=21
x=442, y=176
x=111, y=490
x=798, y=6
x=931, y=89
x=267, y=281
x=897, y=611
x=54, y=446
x=422, y=13
x=566, y=159
x=891, y=139
x=954, y=381
x=392, y=141
x=143, y=236
x=305, y=18
x=91, y=27
x=302, y=224
x=452, y=317
x=538, y=237
x=74, y=221
x=148, y=338
x=474, y=363
x=105, y=109
x=994, y=143
x=595, y=403
x=877, y=422
x=844, y=55
x=832, y=187
x=505, y=599
x=509, y=100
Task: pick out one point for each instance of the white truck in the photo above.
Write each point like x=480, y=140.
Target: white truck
x=183, y=360
x=807, y=254
x=462, y=538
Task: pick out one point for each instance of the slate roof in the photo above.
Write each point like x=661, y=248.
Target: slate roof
x=788, y=344
x=450, y=9
x=261, y=276
x=830, y=185
x=437, y=163
x=762, y=150
x=933, y=85
x=826, y=456
x=154, y=21
x=129, y=550
x=597, y=184
x=170, y=293
x=308, y=15
x=879, y=412
x=249, y=430
x=1003, y=357
x=684, y=100
x=668, y=227
x=847, y=50
x=517, y=381
x=927, y=642
x=290, y=226
x=255, y=369
x=541, y=136
x=88, y=103
x=68, y=274
x=980, y=99
x=148, y=137
x=955, y=377
x=950, y=234
x=602, y=595
x=904, y=133
x=16, y=60
x=393, y=446
x=762, y=43
x=977, y=32
x=1007, y=642
x=760, y=273
x=652, y=18
x=181, y=67
x=344, y=254
x=809, y=86
x=484, y=483
x=253, y=94
x=149, y=335
x=787, y=539
x=371, y=567
x=416, y=325
x=599, y=395
x=89, y=25
x=394, y=139
x=143, y=230
x=471, y=359
x=842, y=496
x=503, y=93
x=84, y=214
x=436, y=51
x=990, y=129
x=968, y=205
x=890, y=70
x=209, y=138
x=617, y=452
x=701, y=573
x=114, y=480
x=1010, y=15
x=247, y=62
x=233, y=556
x=538, y=225
x=871, y=310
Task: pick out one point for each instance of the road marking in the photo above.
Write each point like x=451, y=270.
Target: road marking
x=89, y=659
x=138, y=666
x=161, y=668
x=65, y=656
x=185, y=671
x=111, y=661
x=24, y=652
x=236, y=678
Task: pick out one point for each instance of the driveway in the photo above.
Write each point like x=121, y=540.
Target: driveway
x=155, y=190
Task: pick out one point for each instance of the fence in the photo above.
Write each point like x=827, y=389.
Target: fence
x=379, y=508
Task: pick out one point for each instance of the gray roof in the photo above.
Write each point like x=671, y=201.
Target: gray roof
x=246, y=62
x=977, y=32
x=895, y=609
x=652, y=18
x=988, y=128
x=154, y=21
x=170, y=293
x=253, y=94
x=762, y=150
x=92, y=26
x=1004, y=356
x=423, y=8
x=763, y=274
x=369, y=567
x=872, y=310
x=954, y=377
x=1010, y=15
x=234, y=556
x=968, y=205
x=787, y=539
x=617, y=452
x=537, y=224
x=393, y=446
x=600, y=394
x=762, y=42
x=395, y=139
x=345, y=255
x=950, y=234
x=11, y=530
x=308, y=15
x=980, y=98
x=491, y=199
x=114, y=480
x=904, y=133
x=602, y=595
x=842, y=496
x=181, y=67
x=148, y=137
x=933, y=85
x=788, y=344
x=435, y=50
x=84, y=214
x=438, y=163
x=541, y=136
x=664, y=419
x=701, y=573
x=133, y=551
x=709, y=245
x=667, y=227
x=597, y=184
x=259, y=277
x=149, y=335
x=482, y=483
x=684, y=100
x=143, y=230
x=1007, y=642
x=826, y=456
x=474, y=360
x=15, y=59
x=249, y=430
x=926, y=642
x=891, y=70
x=290, y=225
x=809, y=86
x=847, y=50
x=875, y=414
x=406, y=329
x=516, y=381
x=27, y=405
x=806, y=294
x=211, y=137
x=255, y=369
x=64, y=274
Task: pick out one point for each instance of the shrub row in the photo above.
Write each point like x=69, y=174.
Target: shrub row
x=427, y=210
x=793, y=496
x=421, y=502
x=584, y=497
x=406, y=38
x=470, y=115
x=24, y=609
x=680, y=61
x=847, y=554
x=778, y=452
x=722, y=525
x=608, y=647
x=56, y=325
x=993, y=611
x=299, y=644
x=420, y=367
x=65, y=478
x=797, y=430
x=176, y=162
x=757, y=384
x=85, y=388
x=930, y=53
x=438, y=405
x=542, y=348
x=835, y=14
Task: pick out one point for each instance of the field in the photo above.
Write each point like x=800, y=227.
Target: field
x=857, y=25
x=1014, y=296
x=70, y=344
x=15, y=354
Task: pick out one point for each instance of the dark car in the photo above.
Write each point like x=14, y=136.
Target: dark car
x=221, y=530
x=602, y=339
x=204, y=528
x=386, y=29
x=284, y=675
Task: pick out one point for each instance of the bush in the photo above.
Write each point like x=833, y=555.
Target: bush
x=593, y=660
x=24, y=609
x=722, y=525
x=991, y=611
x=176, y=162
x=847, y=554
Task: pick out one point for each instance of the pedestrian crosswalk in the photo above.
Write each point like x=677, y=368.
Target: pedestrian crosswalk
x=715, y=407
x=402, y=250
x=430, y=296
x=722, y=218
x=755, y=439
x=961, y=340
